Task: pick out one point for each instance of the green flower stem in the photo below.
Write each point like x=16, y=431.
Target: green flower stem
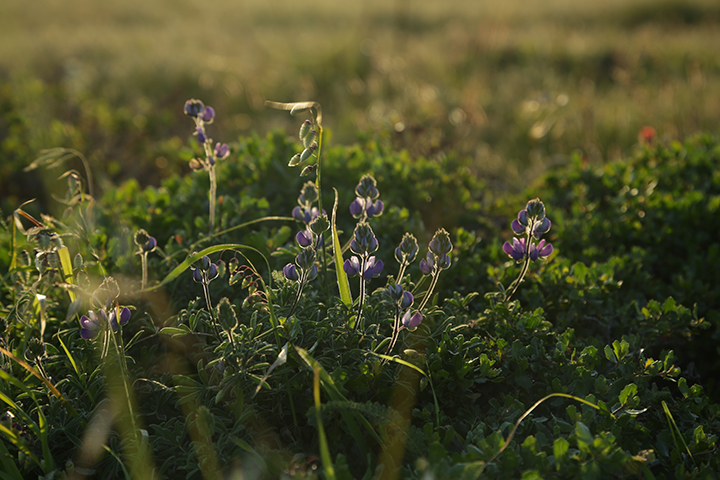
x=206, y=289
x=301, y=285
x=212, y=195
x=143, y=257
x=396, y=329
x=361, y=299
x=428, y=294
x=514, y=286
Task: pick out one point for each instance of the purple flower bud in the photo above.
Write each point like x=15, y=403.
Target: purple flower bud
x=299, y=215
x=407, y=300
x=426, y=264
x=221, y=150
x=212, y=272
x=199, y=131
x=411, y=321
x=304, y=238
x=542, y=227
x=523, y=217
x=194, y=108
x=290, y=272
x=150, y=245
x=444, y=262
x=535, y=208
x=517, y=227
x=206, y=262
x=197, y=276
x=211, y=161
x=313, y=273
x=209, y=114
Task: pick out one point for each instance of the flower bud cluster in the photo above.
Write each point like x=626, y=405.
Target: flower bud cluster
x=406, y=252
x=204, y=115
x=366, y=205
x=145, y=242
x=308, y=136
x=362, y=245
x=438, y=255
x=47, y=258
x=305, y=212
x=205, y=271
x=531, y=223
x=310, y=241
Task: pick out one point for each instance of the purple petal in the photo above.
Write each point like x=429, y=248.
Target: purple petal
x=407, y=300
x=379, y=206
x=88, y=334
x=357, y=207
x=298, y=214
x=411, y=321
x=290, y=272
x=209, y=114
x=124, y=315
x=546, y=250
x=221, y=150
x=352, y=266
x=522, y=217
x=200, y=135
x=303, y=238
x=517, y=227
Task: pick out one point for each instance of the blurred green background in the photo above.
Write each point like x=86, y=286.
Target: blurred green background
x=516, y=86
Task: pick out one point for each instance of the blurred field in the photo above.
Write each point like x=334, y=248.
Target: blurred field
x=518, y=86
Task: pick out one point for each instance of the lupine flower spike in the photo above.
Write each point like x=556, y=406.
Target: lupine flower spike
x=366, y=205
x=436, y=260
x=205, y=115
x=363, y=264
x=146, y=244
x=405, y=253
x=402, y=301
x=531, y=223
x=304, y=270
x=204, y=273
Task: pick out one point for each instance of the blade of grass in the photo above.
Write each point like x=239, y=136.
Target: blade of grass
x=342, y=280
x=67, y=270
x=35, y=373
x=324, y=449
x=47, y=456
x=13, y=473
x=677, y=435
x=332, y=391
x=529, y=411
x=69, y=355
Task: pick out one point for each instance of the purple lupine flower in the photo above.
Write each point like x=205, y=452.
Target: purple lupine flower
x=209, y=114
x=374, y=209
x=221, y=150
x=304, y=238
x=427, y=263
x=352, y=266
x=411, y=321
x=373, y=268
x=407, y=300
x=124, y=317
x=541, y=250
x=200, y=134
x=357, y=207
x=290, y=272
x=90, y=324
x=516, y=250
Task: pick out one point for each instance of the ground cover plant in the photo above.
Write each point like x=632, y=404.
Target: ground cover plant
x=297, y=310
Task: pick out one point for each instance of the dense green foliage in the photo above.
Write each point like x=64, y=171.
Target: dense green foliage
x=619, y=326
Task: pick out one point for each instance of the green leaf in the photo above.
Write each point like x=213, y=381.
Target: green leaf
x=628, y=392
x=560, y=449
x=342, y=280
x=580, y=271
x=609, y=354
x=621, y=349
x=584, y=437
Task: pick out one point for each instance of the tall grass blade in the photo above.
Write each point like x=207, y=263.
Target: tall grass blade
x=328, y=467
x=342, y=279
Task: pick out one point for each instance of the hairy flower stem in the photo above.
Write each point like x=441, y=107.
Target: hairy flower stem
x=396, y=329
x=212, y=195
x=403, y=266
x=206, y=289
x=428, y=294
x=301, y=285
x=361, y=298
x=514, y=286
x=143, y=258
x=318, y=177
